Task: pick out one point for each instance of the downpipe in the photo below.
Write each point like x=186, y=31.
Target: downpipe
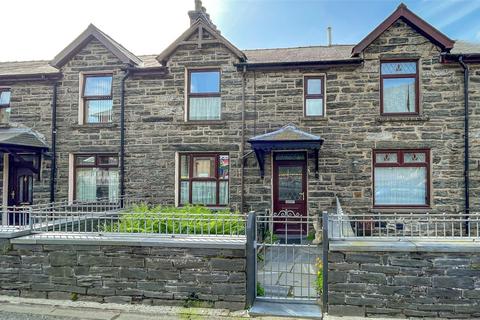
x=122, y=137
x=466, y=172
x=53, y=168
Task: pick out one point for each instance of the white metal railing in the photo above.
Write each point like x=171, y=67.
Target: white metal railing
x=404, y=226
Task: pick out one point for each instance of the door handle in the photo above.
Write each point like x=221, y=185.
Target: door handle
x=303, y=195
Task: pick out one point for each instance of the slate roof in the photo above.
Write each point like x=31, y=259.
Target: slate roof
x=465, y=47
x=286, y=133
x=300, y=54
x=22, y=137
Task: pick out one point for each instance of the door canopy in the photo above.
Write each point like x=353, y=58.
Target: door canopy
x=288, y=137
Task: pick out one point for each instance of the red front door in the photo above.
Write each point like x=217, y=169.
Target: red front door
x=289, y=191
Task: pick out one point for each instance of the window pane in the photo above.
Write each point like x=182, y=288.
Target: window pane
x=386, y=158
x=205, y=108
x=399, y=68
x=203, y=167
x=184, y=167
x=414, y=157
x=95, y=183
x=290, y=183
x=223, y=193
x=99, y=111
x=223, y=167
x=98, y=86
x=204, y=192
x=205, y=82
x=314, y=86
x=5, y=97
x=400, y=186
x=184, y=185
x=5, y=115
x=399, y=95
x=314, y=107
x=85, y=160
x=108, y=160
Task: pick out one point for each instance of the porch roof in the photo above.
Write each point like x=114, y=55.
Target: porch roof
x=288, y=137
x=21, y=139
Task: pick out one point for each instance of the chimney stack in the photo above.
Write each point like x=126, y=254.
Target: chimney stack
x=329, y=36
x=200, y=13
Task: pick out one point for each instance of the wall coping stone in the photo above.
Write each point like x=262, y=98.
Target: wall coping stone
x=138, y=240
x=405, y=245
x=9, y=232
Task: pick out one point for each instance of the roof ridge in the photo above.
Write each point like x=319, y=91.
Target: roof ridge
x=24, y=61
x=301, y=47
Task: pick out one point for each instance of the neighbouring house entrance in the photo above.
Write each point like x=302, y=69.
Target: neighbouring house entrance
x=289, y=190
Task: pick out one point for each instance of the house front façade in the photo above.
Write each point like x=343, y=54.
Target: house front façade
x=380, y=124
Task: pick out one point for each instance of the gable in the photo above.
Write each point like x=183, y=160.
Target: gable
x=414, y=21
x=199, y=34
x=85, y=38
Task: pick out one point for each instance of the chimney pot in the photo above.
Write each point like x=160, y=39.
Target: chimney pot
x=329, y=36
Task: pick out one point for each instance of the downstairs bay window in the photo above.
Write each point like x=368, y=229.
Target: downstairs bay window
x=203, y=179
x=96, y=177
x=401, y=178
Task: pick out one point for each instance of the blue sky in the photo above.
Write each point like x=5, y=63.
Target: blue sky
x=149, y=26
x=282, y=23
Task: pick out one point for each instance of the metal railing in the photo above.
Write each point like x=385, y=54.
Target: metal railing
x=287, y=256
x=404, y=226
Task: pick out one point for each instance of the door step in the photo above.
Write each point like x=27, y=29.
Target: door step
x=286, y=309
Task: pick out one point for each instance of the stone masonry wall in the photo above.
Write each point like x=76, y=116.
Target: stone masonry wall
x=126, y=274
x=404, y=284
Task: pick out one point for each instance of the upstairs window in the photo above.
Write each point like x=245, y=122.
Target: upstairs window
x=204, y=179
x=401, y=178
x=5, y=105
x=399, y=87
x=314, y=96
x=96, y=177
x=97, y=98
x=204, y=101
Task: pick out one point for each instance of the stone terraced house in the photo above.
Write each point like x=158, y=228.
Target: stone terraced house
x=381, y=124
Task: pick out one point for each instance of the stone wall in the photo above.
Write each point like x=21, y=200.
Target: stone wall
x=404, y=284
x=126, y=274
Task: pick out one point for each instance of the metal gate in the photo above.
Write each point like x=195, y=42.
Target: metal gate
x=288, y=257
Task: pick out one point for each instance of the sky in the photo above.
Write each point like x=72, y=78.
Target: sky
x=39, y=29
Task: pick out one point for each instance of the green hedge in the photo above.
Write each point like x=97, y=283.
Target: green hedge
x=172, y=220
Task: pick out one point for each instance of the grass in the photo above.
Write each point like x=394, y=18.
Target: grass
x=172, y=220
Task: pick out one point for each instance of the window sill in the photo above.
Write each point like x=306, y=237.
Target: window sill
x=5, y=125
x=313, y=118
x=401, y=118
x=95, y=125
x=401, y=210
x=203, y=122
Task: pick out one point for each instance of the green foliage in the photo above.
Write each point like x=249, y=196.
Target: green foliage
x=74, y=296
x=270, y=237
x=172, y=220
x=260, y=290
x=311, y=236
x=319, y=280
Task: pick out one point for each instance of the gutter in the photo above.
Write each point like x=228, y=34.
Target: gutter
x=122, y=136
x=145, y=72
x=466, y=172
x=12, y=78
x=53, y=167
x=323, y=64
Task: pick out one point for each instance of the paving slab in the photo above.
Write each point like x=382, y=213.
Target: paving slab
x=282, y=309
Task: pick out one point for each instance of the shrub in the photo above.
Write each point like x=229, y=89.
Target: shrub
x=172, y=220
x=319, y=280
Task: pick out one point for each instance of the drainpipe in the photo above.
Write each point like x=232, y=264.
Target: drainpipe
x=242, y=145
x=466, y=171
x=122, y=137
x=53, y=168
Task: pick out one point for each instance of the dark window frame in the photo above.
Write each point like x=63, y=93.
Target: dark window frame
x=93, y=98
x=203, y=94
x=399, y=76
x=190, y=179
x=6, y=106
x=307, y=96
x=401, y=163
x=97, y=164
